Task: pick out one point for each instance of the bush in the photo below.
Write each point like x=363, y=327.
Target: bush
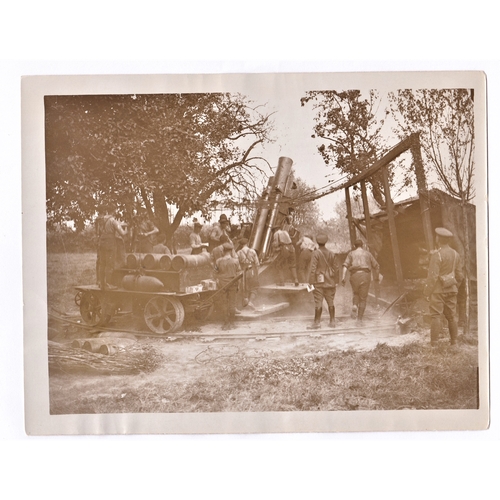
x=66, y=240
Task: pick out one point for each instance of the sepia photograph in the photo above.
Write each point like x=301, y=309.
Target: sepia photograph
x=255, y=253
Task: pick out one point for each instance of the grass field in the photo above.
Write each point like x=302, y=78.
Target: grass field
x=303, y=374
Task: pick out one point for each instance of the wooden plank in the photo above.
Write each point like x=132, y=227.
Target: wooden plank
x=392, y=230
x=262, y=311
x=287, y=287
x=423, y=193
x=352, y=229
x=366, y=210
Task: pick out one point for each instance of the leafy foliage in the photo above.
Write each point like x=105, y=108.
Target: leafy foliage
x=305, y=215
x=348, y=123
x=150, y=151
x=445, y=119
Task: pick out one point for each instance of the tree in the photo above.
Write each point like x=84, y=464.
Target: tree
x=445, y=120
x=162, y=152
x=306, y=214
x=348, y=123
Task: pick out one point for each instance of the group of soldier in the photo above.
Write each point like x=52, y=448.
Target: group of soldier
x=318, y=268
x=305, y=258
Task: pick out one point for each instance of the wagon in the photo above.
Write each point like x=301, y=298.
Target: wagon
x=161, y=290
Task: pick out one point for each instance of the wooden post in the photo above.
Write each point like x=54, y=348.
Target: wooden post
x=366, y=209
x=423, y=194
x=369, y=234
x=352, y=229
x=392, y=230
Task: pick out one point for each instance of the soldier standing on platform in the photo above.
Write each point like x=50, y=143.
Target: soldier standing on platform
x=307, y=246
x=111, y=230
x=323, y=275
x=360, y=263
x=285, y=259
x=441, y=289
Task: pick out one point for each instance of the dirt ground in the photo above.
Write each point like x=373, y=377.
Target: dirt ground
x=283, y=334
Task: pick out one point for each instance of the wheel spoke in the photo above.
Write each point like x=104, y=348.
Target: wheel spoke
x=163, y=314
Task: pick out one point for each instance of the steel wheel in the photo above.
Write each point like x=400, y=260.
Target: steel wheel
x=163, y=314
x=93, y=310
x=78, y=298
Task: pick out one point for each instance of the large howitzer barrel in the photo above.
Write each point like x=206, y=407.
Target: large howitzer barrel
x=266, y=218
x=180, y=262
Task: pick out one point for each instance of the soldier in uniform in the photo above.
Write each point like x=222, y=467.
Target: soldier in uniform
x=145, y=233
x=160, y=246
x=441, y=289
x=227, y=268
x=220, y=228
x=249, y=262
x=197, y=245
x=361, y=264
x=306, y=246
x=110, y=231
x=285, y=259
x=218, y=251
x=322, y=275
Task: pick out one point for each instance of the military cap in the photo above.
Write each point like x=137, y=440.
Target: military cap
x=227, y=246
x=443, y=232
x=358, y=243
x=223, y=218
x=321, y=238
x=243, y=242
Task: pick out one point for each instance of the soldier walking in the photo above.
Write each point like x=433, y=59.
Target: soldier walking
x=322, y=276
x=361, y=264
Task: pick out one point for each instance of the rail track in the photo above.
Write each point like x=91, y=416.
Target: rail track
x=371, y=325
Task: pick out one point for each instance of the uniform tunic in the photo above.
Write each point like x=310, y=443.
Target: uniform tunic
x=195, y=243
x=360, y=263
x=324, y=283
x=227, y=269
x=249, y=262
x=110, y=231
x=145, y=243
x=443, y=300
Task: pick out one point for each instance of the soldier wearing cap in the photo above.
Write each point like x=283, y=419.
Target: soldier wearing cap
x=227, y=267
x=218, y=251
x=323, y=273
x=197, y=246
x=361, y=264
x=441, y=289
x=218, y=229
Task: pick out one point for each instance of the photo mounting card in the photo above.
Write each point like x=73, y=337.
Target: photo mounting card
x=134, y=324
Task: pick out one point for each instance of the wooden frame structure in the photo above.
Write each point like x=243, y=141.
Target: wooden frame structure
x=411, y=143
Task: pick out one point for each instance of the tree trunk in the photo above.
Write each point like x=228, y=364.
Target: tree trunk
x=466, y=268
x=162, y=219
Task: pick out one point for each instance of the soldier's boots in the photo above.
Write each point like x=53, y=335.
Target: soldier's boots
x=316, y=325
